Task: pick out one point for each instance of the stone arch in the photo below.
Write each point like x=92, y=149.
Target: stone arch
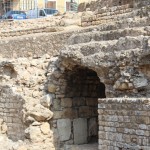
x=75, y=105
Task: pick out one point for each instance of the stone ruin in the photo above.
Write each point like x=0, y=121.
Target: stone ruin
x=61, y=90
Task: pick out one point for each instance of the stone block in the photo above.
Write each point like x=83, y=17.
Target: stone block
x=140, y=82
x=66, y=113
x=85, y=111
x=40, y=113
x=78, y=102
x=80, y=130
x=142, y=126
x=140, y=132
x=57, y=104
x=58, y=114
x=66, y=102
x=126, y=138
x=64, y=129
x=92, y=102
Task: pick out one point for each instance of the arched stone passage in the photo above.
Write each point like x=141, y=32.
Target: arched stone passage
x=75, y=110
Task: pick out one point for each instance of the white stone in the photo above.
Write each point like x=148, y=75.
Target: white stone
x=80, y=130
x=140, y=82
x=64, y=129
x=45, y=128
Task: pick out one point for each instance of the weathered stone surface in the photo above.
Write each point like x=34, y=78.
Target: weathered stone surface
x=80, y=130
x=35, y=134
x=45, y=128
x=140, y=82
x=51, y=88
x=66, y=102
x=46, y=100
x=40, y=113
x=22, y=148
x=66, y=113
x=64, y=129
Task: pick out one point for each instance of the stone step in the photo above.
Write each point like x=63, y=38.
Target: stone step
x=116, y=14
x=108, y=17
x=104, y=19
x=112, y=9
x=122, y=24
x=108, y=35
x=129, y=12
x=123, y=43
x=128, y=23
x=107, y=13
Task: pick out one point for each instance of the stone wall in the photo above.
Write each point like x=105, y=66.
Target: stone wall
x=11, y=106
x=124, y=123
x=24, y=104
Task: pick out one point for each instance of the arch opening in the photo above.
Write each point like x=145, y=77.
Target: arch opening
x=75, y=114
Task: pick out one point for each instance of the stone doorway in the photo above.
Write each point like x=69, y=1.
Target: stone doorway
x=75, y=109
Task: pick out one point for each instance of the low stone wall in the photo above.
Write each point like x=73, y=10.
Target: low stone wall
x=124, y=123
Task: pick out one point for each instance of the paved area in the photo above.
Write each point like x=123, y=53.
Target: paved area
x=82, y=147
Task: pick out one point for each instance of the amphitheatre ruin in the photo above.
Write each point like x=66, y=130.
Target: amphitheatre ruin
x=79, y=81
